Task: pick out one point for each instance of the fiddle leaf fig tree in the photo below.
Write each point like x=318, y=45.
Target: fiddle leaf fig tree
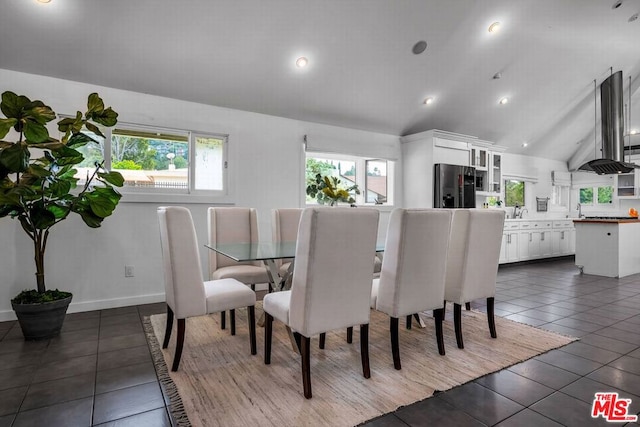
x=38, y=183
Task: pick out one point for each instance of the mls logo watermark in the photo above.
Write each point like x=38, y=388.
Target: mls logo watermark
x=612, y=408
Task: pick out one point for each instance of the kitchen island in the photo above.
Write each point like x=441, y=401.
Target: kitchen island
x=608, y=246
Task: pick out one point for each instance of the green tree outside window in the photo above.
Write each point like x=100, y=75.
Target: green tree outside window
x=605, y=194
x=513, y=192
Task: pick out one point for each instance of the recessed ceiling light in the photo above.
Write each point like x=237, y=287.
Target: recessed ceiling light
x=497, y=76
x=428, y=101
x=494, y=28
x=616, y=4
x=633, y=131
x=503, y=100
x=419, y=47
x=44, y=1
x=633, y=17
x=524, y=144
x=302, y=62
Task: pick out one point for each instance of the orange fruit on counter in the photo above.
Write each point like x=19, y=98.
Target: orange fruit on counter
x=633, y=212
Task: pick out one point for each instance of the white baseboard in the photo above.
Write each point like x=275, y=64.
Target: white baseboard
x=81, y=306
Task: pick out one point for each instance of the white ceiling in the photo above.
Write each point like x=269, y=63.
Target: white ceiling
x=362, y=73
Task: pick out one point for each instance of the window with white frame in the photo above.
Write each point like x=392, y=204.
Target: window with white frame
x=602, y=195
x=160, y=160
x=373, y=177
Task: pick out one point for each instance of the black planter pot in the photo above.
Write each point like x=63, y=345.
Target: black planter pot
x=41, y=321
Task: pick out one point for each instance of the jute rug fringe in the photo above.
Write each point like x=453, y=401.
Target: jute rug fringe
x=176, y=407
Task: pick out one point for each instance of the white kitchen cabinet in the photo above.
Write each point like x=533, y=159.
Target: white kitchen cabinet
x=536, y=239
x=496, y=173
x=509, y=248
x=525, y=239
x=546, y=244
x=487, y=159
x=561, y=242
x=563, y=238
x=479, y=158
x=626, y=185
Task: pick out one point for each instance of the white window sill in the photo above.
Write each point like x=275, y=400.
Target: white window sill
x=175, y=198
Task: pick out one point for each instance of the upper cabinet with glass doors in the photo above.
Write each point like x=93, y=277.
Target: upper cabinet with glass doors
x=487, y=160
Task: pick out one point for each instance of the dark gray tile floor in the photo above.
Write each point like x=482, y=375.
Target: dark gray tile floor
x=556, y=388
x=99, y=370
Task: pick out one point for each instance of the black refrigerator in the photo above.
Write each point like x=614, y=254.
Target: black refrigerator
x=454, y=186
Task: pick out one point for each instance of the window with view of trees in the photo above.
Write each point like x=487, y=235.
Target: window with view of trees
x=599, y=195
x=513, y=192
x=179, y=161
x=371, y=175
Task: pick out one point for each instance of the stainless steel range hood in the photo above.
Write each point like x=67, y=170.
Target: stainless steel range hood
x=612, y=161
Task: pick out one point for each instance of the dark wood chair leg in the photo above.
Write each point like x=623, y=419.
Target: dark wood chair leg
x=364, y=350
x=395, y=345
x=350, y=334
x=251, y=311
x=268, y=328
x=179, y=345
x=438, y=316
x=253, y=286
x=223, y=320
x=306, y=365
x=323, y=337
x=167, y=329
x=467, y=306
x=409, y=322
x=491, y=317
x=298, y=338
x=457, y=322
x=232, y=321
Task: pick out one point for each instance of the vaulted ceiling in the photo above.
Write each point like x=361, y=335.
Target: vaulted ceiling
x=362, y=72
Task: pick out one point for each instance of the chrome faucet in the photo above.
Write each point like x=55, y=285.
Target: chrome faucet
x=522, y=211
x=579, y=210
x=516, y=211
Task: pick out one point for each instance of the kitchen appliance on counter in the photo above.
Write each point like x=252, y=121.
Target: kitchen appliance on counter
x=454, y=186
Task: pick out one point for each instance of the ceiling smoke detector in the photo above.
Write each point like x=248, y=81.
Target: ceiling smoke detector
x=419, y=47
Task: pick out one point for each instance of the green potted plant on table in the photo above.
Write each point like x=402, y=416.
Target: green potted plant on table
x=326, y=190
x=38, y=187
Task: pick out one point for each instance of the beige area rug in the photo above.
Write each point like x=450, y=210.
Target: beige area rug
x=220, y=384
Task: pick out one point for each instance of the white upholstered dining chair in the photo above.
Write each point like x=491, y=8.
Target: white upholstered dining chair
x=284, y=228
x=187, y=294
x=472, y=262
x=234, y=225
x=331, y=286
x=413, y=270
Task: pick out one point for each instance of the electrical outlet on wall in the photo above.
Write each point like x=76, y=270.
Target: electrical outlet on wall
x=128, y=271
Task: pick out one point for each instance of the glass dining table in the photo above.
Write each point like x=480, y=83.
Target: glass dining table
x=268, y=253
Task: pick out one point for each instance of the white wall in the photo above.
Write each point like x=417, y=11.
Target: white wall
x=266, y=161
x=517, y=165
